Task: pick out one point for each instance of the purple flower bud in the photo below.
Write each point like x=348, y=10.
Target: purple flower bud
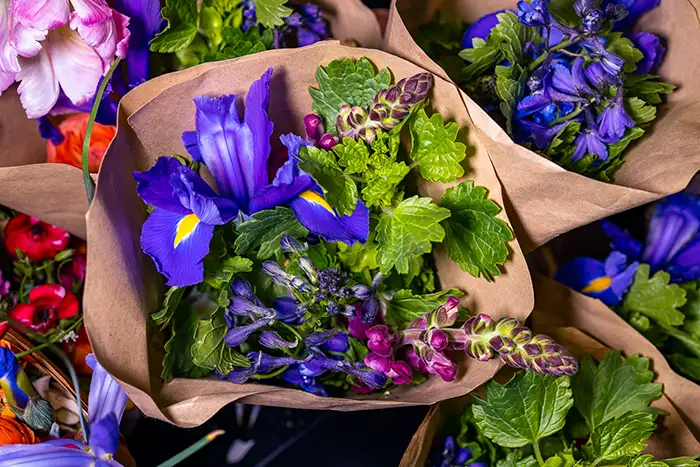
x=370, y=310
x=593, y=21
x=361, y=291
x=377, y=362
x=583, y=7
x=278, y=275
x=400, y=373
x=479, y=350
x=272, y=340
x=479, y=324
x=290, y=245
x=309, y=269
x=238, y=335
x=332, y=308
x=337, y=343
x=287, y=309
x=438, y=363
x=446, y=315
x=299, y=284
x=314, y=127
x=269, y=363
x=437, y=339
x=415, y=361
x=348, y=311
x=380, y=340
x=238, y=375
x=616, y=12
x=328, y=141
x=514, y=359
x=502, y=344
x=317, y=338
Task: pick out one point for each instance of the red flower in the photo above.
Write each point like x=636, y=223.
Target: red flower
x=72, y=274
x=4, y=326
x=38, y=240
x=47, y=304
x=78, y=350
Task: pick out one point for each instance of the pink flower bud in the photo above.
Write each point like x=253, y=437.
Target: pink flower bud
x=447, y=314
x=437, y=339
x=380, y=340
x=414, y=360
x=447, y=372
x=314, y=127
x=328, y=141
x=378, y=363
x=400, y=373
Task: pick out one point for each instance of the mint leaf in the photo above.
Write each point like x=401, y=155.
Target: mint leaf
x=208, y=346
x=510, y=83
x=346, y=82
x=340, y=190
x=178, y=360
x=360, y=256
x=183, y=20
x=647, y=87
x=404, y=307
x=655, y=297
x=231, y=358
x=171, y=302
x=526, y=409
x=625, y=49
x=621, y=437
x=353, y=155
x=265, y=230
x=639, y=110
x=687, y=461
x=691, y=309
x=408, y=231
x=612, y=388
x=615, y=149
x=475, y=238
x=482, y=57
x=434, y=148
x=271, y=13
x=562, y=459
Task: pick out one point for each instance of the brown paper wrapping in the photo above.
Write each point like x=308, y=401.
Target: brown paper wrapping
x=123, y=287
x=52, y=192
x=544, y=200
x=571, y=319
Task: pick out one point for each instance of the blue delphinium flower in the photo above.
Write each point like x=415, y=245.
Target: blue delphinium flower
x=534, y=14
x=613, y=121
x=590, y=141
x=449, y=454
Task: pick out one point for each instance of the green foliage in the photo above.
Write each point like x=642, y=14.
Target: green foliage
x=171, y=302
x=208, y=349
x=265, y=230
x=434, y=148
x=441, y=39
x=178, y=360
x=271, y=13
x=624, y=48
x=183, y=20
x=475, y=238
x=647, y=87
x=688, y=366
x=621, y=437
x=346, y=82
x=614, y=387
x=655, y=297
x=340, y=190
x=639, y=110
x=404, y=306
x=408, y=231
x=526, y=409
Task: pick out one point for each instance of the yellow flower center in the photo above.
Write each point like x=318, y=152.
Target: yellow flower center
x=314, y=197
x=185, y=227
x=598, y=285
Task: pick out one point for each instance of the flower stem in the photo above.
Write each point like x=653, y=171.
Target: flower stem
x=576, y=112
x=176, y=459
x=87, y=179
x=274, y=374
x=53, y=340
x=538, y=61
x=293, y=331
x=76, y=386
x=538, y=453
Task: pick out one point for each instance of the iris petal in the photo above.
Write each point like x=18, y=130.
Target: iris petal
x=621, y=240
x=39, y=455
x=256, y=104
x=106, y=395
x=154, y=185
x=104, y=435
x=319, y=218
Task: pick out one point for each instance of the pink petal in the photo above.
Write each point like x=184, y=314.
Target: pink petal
x=6, y=80
x=8, y=55
x=108, y=38
x=26, y=41
x=41, y=14
x=121, y=23
x=92, y=12
x=77, y=67
x=38, y=89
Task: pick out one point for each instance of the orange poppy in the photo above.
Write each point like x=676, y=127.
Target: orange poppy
x=13, y=431
x=70, y=151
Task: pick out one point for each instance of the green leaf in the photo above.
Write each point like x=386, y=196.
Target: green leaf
x=615, y=149
x=178, y=360
x=482, y=57
x=475, y=238
x=434, y=148
x=688, y=366
x=231, y=358
x=408, y=231
x=563, y=11
x=346, y=82
x=691, y=309
x=646, y=460
x=612, y=388
x=515, y=459
x=353, y=155
x=340, y=190
x=265, y=230
x=360, y=256
x=526, y=409
x=383, y=182
x=687, y=461
x=512, y=35
x=625, y=49
x=183, y=20
x=621, y=437
x=404, y=307
x=271, y=13
x=510, y=83
x=226, y=271
x=208, y=347
x=639, y=110
x=655, y=297
x=647, y=87
x=171, y=301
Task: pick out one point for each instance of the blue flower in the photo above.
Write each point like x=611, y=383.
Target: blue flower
x=613, y=121
x=635, y=9
x=570, y=85
x=533, y=14
x=481, y=28
x=145, y=22
x=106, y=402
x=449, y=454
x=590, y=141
x=650, y=45
x=607, y=281
x=13, y=381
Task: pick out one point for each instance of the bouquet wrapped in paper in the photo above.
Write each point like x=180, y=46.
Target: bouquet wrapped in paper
x=586, y=107
x=318, y=286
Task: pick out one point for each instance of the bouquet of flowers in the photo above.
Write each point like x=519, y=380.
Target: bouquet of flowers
x=310, y=266
x=573, y=82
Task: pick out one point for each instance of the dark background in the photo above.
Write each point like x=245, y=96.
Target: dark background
x=283, y=437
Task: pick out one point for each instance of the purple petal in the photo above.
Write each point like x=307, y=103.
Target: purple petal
x=319, y=218
x=317, y=338
x=286, y=309
x=155, y=189
x=674, y=223
x=189, y=140
x=272, y=340
x=337, y=343
x=49, y=132
x=289, y=183
x=104, y=435
x=238, y=335
x=181, y=264
x=199, y=198
x=144, y=23
x=635, y=9
x=269, y=363
x=256, y=118
x=686, y=265
x=588, y=142
x=481, y=28
x=580, y=272
x=621, y=240
x=106, y=395
x=621, y=282
x=615, y=263
x=650, y=45
x=533, y=103
x=39, y=455
x=614, y=121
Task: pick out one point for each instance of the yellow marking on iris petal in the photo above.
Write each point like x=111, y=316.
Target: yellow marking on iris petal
x=598, y=285
x=314, y=197
x=185, y=227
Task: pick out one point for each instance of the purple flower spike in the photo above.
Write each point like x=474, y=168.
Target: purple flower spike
x=378, y=363
x=380, y=340
x=272, y=340
x=317, y=338
x=437, y=339
x=533, y=14
x=238, y=335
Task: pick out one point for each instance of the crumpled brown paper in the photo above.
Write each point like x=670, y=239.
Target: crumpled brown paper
x=123, y=288
x=574, y=323
x=52, y=192
x=544, y=200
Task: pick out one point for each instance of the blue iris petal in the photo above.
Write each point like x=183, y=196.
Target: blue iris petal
x=104, y=435
x=319, y=218
x=606, y=281
x=622, y=241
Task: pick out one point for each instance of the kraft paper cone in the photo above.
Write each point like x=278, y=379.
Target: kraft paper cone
x=123, y=288
x=672, y=438
x=53, y=193
x=543, y=199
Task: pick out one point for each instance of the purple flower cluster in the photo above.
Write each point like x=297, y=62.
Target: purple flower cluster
x=305, y=26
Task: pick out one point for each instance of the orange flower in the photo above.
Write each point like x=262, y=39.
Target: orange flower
x=70, y=151
x=15, y=432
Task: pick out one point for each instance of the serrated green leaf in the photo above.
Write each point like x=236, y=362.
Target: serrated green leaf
x=171, y=301
x=383, y=182
x=231, y=358
x=183, y=20
x=434, y=147
x=563, y=459
x=646, y=460
x=515, y=459
x=360, y=256
x=639, y=110
x=647, y=87
x=621, y=437
x=475, y=238
x=178, y=360
x=226, y=270
x=655, y=297
x=208, y=346
x=340, y=190
x=346, y=82
x=615, y=149
x=265, y=230
x=271, y=13
x=612, y=388
x=526, y=409
x=353, y=155
x=404, y=307
x=687, y=461
x=625, y=49
x=691, y=309
x=408, y=231
x=512, y=35
x=482, y=57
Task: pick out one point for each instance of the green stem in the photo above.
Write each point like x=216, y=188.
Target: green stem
x=538, y=61
x=76, y=387
x=87, y=179
x=538, y=453
x=176, y=459
x=293, y=331
x=274, y=374
x=357, y=179
x=53, y=340
x=577, y=111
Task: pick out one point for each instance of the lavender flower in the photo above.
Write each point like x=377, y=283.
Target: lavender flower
x=613, y=121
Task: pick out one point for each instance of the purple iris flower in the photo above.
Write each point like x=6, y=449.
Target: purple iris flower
x=535, y=14
x=49, y=132
x=177, y=233
x=293, y=375
x=613, y=121
x=607, y=281
x=635, y=9
x=570, y=85
x=597, y=76
x=106, y=402
x=650, y=45
x=481, y=28
x=622, y=241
